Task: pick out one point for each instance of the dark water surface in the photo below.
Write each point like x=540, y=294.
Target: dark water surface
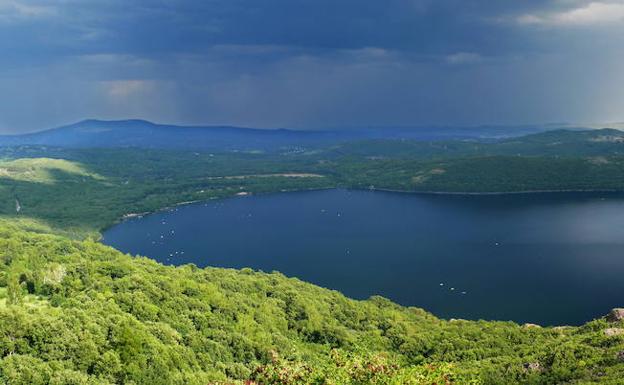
x=541, y=258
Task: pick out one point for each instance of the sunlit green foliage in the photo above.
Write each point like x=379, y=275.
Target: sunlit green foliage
x=95, y=188
x=77, y=312
x=80, y=312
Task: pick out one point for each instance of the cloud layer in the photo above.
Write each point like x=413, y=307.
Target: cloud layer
x=310, y=64
x=594, y=13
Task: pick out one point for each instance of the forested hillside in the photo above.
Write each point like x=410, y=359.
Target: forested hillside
x=77, y=312
x=82, y=191
x=73, y=311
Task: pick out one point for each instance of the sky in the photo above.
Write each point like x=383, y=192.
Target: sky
x=311, y=63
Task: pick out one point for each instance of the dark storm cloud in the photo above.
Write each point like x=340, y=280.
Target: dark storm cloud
x=143, y=27
x=309, y=63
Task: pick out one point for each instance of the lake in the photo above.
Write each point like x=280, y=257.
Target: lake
x=551, y=259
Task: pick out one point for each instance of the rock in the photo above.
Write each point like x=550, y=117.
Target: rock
x=616, y=315
x=620, y=356
x=533, y=367
x=612, y=332
x=531, y=326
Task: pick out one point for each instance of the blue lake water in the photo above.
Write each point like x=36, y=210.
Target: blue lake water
x=551, y=259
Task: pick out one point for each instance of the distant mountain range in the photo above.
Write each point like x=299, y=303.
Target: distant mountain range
x=144, y=134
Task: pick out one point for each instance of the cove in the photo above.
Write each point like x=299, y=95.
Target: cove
x=551, y=259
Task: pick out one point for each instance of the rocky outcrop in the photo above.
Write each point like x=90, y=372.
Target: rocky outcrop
x=533, y=367
x=531, y=326
x=612, y=332
x=616, y=315
x=620, y=356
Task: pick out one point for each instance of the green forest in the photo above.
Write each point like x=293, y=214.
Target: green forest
x=73, y=311
x=78, y=312
x=82, y=191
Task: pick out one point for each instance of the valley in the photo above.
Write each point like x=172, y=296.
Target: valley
x=159, y=324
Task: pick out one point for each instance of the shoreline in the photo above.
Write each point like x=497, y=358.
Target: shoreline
x=129, y=216
x=521, y=324
x=520, y=192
